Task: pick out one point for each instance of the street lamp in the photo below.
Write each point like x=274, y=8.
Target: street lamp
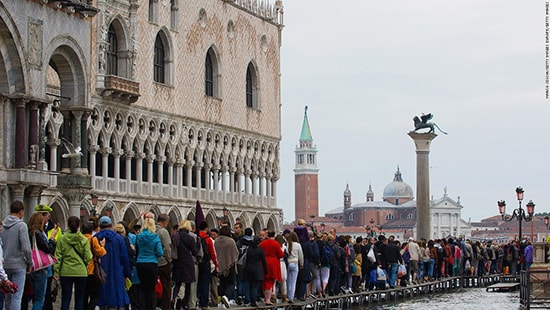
x=94, y=204
x=518, y=213
x=312, y=217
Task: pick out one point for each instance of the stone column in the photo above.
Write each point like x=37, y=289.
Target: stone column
x=422, y=143
x=20, y=134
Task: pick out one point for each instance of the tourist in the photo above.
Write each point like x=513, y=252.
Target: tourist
x=205, y=268
x=358, y=262
x=370, y=265
x=392, y=257
x=282, y=290
x=116, y=265
x=164, y=262
x=295, y=262
x=227, y=264
x=91, y=293
x=528, y=254
x=214, y=277
x=415, y=254
x=39, y=278
x=183, y=268
x=149, y=250
x=273, y=254
x=254, y=270
x=17, y=252
x=73, y=254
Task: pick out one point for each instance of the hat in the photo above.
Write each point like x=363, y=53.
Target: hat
x=105, y=221
x=411, y=239
x=42, y=208
x=286, y=231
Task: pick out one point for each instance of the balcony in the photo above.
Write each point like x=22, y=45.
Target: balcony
x=120, y=89
x=84, y=7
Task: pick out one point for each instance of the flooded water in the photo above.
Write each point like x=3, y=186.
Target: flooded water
x=459, y=299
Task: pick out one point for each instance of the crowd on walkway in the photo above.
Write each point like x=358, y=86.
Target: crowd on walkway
x=145, y=264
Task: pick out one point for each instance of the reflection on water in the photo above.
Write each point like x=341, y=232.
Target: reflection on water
x=459, y=299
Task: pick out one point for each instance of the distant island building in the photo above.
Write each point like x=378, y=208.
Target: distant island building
x=395, y=214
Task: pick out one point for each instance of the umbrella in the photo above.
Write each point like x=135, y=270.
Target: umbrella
x=199, y=217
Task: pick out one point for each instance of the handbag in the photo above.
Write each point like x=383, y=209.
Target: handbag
x=41, y=259
x=99, y=274
x=401, y=271
x=370, y=255
x=158, y=289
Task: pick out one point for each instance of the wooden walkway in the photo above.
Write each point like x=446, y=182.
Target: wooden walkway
x=503, y=287
x=369, y=298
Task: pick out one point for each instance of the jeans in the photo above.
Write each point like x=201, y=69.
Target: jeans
x=251, y=291
x=392, y=274
x=17, y=276
x=39, y=280
x=292, y=276
x=67, y=292
x=431, y=264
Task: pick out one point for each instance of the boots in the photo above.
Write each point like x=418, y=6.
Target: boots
x=179, y=304
x=284, y=298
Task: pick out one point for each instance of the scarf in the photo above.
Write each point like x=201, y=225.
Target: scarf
x=229, y=254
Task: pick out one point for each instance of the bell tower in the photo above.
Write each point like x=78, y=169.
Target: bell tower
x=306, y=194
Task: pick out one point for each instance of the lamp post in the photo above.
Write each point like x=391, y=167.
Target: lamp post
x=225, y=215
x=518, y=213
x=94, y=204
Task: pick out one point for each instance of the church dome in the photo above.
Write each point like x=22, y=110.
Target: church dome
x=398, y=190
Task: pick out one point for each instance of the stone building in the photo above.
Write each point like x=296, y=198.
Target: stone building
x=168, y=102
x=395, y=214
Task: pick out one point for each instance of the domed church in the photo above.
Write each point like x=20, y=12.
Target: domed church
x=396, y=213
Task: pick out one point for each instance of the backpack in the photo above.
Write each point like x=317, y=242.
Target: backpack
x=327, y=256
x=241, y=263
x=205, y=257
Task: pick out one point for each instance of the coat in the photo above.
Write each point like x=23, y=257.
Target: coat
x=273, y=254
x=116, y=265
x=256, y=265
x=73, y=254
x=184, y=266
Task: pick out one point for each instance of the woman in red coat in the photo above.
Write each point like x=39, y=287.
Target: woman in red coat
x=273, y=254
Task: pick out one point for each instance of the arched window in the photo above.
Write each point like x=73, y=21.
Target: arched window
x=112, y=52
x=251, y=87
x=209, y=76
x=390, y=216
x=159, y=61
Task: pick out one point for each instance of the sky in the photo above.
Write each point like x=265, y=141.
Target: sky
x=365, y=68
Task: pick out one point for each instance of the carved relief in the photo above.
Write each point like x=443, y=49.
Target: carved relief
x=35, y=43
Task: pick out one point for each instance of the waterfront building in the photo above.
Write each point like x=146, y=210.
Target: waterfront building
x=395, y=214
x=142, y=105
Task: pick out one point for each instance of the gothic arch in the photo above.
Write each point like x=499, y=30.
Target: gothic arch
x=60, y=209
x=257, y=224
x=175, y=216
x=129, y=213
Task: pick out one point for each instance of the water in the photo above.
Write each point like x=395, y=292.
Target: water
x=458, y=299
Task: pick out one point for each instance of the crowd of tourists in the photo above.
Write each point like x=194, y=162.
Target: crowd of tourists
x=145, y=264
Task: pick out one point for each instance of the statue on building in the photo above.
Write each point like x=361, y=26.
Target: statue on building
x=423, y=122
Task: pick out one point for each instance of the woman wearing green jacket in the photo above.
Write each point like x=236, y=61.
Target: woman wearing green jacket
x=73, y=252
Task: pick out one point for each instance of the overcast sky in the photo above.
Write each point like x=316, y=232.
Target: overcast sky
x=365, y=68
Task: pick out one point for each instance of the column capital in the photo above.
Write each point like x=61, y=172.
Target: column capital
x=422, y=140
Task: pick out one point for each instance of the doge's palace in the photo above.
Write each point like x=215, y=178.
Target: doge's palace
x=116, y=107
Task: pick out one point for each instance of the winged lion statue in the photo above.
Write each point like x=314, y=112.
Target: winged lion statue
x=423, y=122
